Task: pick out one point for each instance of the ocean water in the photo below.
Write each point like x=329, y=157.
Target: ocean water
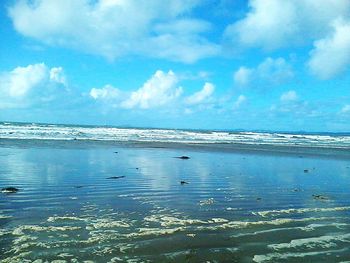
x=236, y=206
x=99, y=133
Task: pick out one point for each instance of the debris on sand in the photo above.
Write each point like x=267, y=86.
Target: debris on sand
x=184, y=157
x=320, y=197
x=209, y=201
x=9, y=190
x=115, y=177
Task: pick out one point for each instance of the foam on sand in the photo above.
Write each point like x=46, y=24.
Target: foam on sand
x=35, y=228
x=279, y=257
x=113, y=234
x=65, y=218
x=328, y=241
x=167, y=220
x=301, y=211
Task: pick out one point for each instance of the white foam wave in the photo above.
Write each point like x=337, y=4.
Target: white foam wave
x=61, y=132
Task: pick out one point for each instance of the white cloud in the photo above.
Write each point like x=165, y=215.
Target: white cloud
x=21, y=80
x=115, y=28
x=275, y=70
x=240, y=100
x=274, y=24
x=24, y=86
x=188, y=111
x=331, y=55
x=108, y=92
x=243, y=76
x=202, y=95
x=160, y=89
x=291, y=103
x=271, y=70
x=199, y=75
x=345, y=109
x=57, y=75
x=295, y=107
x=289, y=96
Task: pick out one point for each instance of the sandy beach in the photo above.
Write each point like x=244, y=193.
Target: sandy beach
x=94, y=202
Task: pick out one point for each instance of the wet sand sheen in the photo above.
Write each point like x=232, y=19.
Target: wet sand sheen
x=234, y=206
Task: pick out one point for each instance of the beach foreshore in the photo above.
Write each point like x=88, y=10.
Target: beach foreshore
x=108, y=201
x=300, y=151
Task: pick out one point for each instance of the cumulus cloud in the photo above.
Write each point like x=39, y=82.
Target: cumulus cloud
x=21, y=80
x=274, y=24
x=157, y=29
x=108, y=92
x=239, y=101
x=275, y=70
x=160, y=89
x=243, y=76
x=202, y=95
x=25, y=86
x=291, y=104
x=345, y=109
x=289, y=96
x=331, y=55
x=270, y=70
x=57, y=75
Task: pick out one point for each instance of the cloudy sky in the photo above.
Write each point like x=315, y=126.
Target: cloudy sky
x=210, y=64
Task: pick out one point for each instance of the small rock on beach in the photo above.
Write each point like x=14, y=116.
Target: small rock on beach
x=183, y=157
x=9, y=190
x=115, y=177
x=320, y=197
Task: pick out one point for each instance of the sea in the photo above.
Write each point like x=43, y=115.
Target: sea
x=36, y=131
x=109, y=194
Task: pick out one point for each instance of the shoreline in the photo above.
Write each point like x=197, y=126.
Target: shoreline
x=261, y=149
x=142, y=197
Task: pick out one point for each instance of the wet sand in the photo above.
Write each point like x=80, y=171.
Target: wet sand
x=84, y=202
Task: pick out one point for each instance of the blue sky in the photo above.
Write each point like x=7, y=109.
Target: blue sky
x=210, y=64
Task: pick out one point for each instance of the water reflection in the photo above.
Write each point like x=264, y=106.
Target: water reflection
x=234, y=205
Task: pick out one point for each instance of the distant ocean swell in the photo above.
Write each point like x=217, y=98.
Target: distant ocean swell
x=99, y=133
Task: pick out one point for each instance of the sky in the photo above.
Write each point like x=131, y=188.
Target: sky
x=279, y=65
